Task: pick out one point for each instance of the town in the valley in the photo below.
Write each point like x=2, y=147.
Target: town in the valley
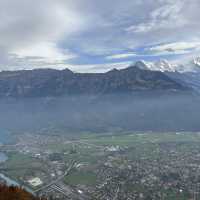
x=106, y=166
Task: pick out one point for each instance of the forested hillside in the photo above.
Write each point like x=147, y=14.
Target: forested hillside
x=15, y=193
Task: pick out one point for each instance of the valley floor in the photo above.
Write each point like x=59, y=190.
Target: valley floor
x=131, y=165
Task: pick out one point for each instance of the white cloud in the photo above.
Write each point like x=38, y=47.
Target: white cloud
x=31, y=30
x=121, y=56
x=42, y=53
x=176, y=47
x=167, y=16
x=40, y=33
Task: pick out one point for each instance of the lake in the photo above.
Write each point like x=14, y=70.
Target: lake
x=5, y=137
x=3, y=157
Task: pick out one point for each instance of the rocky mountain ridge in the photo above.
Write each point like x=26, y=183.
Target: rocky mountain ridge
x=51, y=82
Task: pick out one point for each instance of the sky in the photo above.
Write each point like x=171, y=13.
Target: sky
x=94, y=35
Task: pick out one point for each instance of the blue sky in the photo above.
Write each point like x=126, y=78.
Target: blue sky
x=95, y=36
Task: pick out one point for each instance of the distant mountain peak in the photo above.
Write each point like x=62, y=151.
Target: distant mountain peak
x=196, y=61
x=67, y=70
x=113, y=70
x=166, y=66
x=161, y=65
x=142, y=65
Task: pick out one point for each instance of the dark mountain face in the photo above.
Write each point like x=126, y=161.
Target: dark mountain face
x=191, y=79
x=52, y=83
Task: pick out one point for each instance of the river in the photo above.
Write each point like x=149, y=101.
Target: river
x=8, y=180
x=11, y=182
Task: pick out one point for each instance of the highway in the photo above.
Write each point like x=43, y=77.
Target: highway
x=57, y=188
x=55, y=181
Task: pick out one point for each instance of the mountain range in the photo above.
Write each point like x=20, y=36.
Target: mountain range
x=52, y=83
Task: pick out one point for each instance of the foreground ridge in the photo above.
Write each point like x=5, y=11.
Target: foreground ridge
x=15, y=193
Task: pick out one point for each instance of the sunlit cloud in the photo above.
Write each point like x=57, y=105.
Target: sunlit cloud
x=53, y=33
x=46, y=53
x=176, y=47
x=120, y=56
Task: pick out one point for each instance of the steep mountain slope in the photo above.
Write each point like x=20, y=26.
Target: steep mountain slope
x=191, y=79
x=161, y=65
x=49, y=82
x=187, y=74
x=15, y=193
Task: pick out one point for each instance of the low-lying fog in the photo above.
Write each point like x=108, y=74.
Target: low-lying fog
x=99, y=114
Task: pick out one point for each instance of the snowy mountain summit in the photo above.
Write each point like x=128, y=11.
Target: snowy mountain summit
x=196, y=61
x=166, y=66
x=161, y=65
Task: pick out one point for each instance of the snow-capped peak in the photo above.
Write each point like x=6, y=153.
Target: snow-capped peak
x=142, y=65
x=197, y=61
x=166, y=66
x=162, y=65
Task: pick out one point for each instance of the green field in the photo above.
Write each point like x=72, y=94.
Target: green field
x=81, y=178
x=141, y=138
x=20, y=165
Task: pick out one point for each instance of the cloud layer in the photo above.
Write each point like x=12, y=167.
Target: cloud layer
x=83, y=33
